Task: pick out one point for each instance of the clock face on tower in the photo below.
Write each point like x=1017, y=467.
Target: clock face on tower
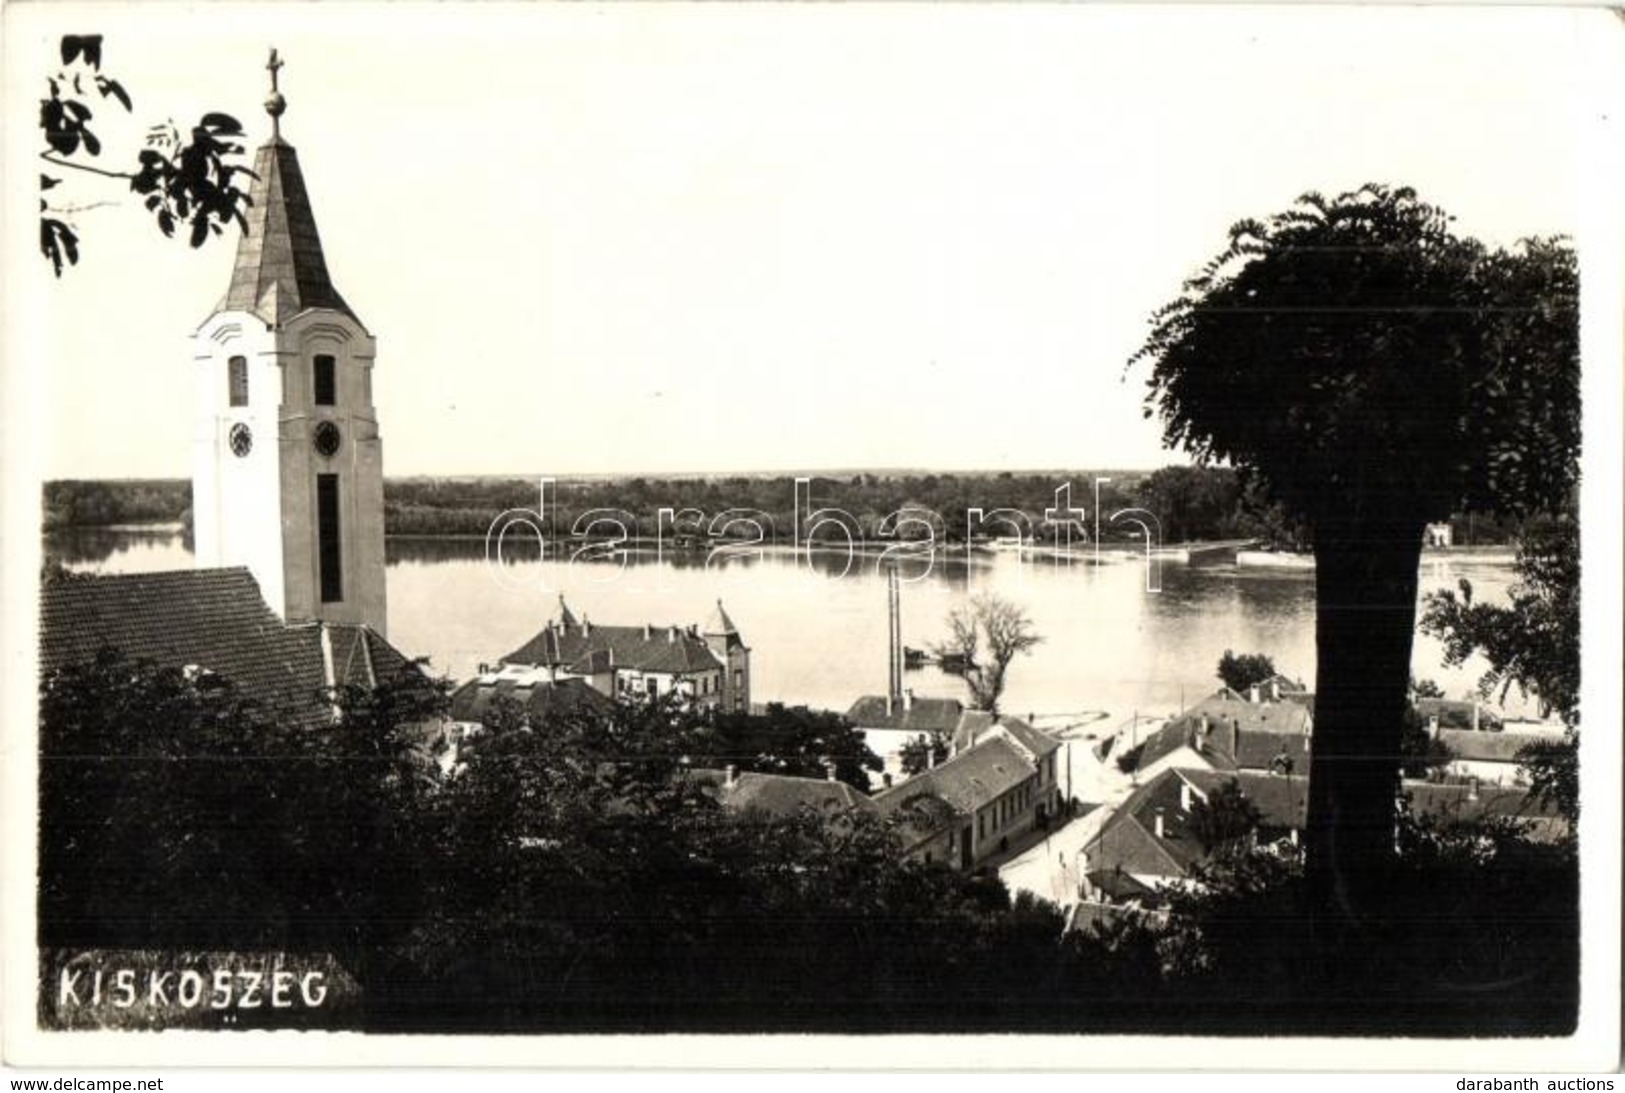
x=241, y=439
x=326, y=438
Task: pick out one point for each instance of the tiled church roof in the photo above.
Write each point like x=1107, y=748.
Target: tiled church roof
x=217, y=620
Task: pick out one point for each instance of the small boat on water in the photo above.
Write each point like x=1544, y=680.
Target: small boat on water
x=915, y=659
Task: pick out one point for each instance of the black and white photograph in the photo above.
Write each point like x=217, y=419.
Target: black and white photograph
x=813, y=535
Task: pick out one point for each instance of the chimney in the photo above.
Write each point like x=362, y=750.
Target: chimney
x=1475, y=716
x=885, y=780
x=730, y=775
x=1159, y=826
x=1184, y=796
x=908, y=698
x=1472, y=789
x=586, y=625
x=1275, y=690
x=829, y=771
x=648, y=632
x=930, y=755
x=1433, y=726
x=1252, y=694
x=671, y=636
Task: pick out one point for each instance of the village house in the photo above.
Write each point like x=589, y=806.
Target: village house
x=1454, y=713
x=1151, y=839
x=891, y=722
x=1000, y=787
x=537, y=699
x=1226, y=732
x=707, y=667
x=1471, y=802
x=1491, y=758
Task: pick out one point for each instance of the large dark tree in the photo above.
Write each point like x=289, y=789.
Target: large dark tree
x=1374, y=371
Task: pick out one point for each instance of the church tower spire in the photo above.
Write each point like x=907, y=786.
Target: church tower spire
x=287, y=459
x=280, y=268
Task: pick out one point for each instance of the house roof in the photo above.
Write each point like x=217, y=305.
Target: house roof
x=280, y=268
x=1465, y=802
x=720, y=624
x=780, y=794
x=1262, y=730
x=570, y=644
x=217, y=620
x=1128, y=842
x=1488, y=747
x=1456, y=713
x=1128, y=839
x=1119, y=885
x=967, y=781
x=543, y=700
x=1282, y=800
x=972, y=724
x=923, y=715
x=975, y=725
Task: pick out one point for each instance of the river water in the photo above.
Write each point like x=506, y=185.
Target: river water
x=817, y=630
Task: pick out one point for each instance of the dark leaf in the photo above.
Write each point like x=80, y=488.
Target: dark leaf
x=166, y=222
x=92, y=145
x=46, y=182
x=115, y=89
x=221, y=123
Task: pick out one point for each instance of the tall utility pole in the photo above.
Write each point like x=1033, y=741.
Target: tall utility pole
x=894, y=637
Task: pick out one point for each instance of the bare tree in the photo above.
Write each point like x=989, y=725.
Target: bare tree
x=985, y=636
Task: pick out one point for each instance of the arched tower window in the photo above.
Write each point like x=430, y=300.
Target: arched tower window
x=237, y=369
x=326, y=382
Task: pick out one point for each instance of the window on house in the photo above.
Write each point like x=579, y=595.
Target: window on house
x=330, y=552
x=237, y=380
x=326, y=383
x=652, y=686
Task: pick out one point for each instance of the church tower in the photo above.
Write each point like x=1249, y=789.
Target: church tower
x=287, y=474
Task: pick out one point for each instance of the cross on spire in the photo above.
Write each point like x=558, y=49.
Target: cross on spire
x=275, y=104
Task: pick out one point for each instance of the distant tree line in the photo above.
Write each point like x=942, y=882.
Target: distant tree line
x=1190, y=503
x=71, y=503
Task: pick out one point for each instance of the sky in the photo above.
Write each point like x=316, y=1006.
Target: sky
x=763, y=237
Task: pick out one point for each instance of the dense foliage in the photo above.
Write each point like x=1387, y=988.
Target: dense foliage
x=1242, y=671
x=573, y=877
x=185, y=181
x=790, y=740
x=1532, y=642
